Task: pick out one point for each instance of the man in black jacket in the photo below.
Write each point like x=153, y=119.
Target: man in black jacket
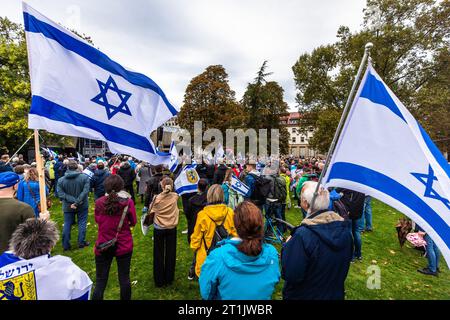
x=316, y=260
x=153, y=186
x=126, y=172
x=73, y=190
x=196, y=204
x=98, y=179
x=219, y=174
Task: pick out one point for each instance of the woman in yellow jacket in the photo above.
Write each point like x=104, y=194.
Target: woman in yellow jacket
x=215, y=213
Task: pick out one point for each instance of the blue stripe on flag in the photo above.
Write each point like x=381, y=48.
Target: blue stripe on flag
x=390, y=187
x=190, y=188
x=375, y=91
x=435, y=151
x=50, y=110
x=93, y=55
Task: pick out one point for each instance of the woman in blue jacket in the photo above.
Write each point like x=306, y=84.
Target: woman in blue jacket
x=241, y=268
x=28, y=190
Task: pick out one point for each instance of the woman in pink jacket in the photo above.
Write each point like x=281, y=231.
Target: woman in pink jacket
x=108, y=212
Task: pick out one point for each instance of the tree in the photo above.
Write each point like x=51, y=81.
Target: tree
x=411, y=40
x=209, y=98
x=263, y=105
x=15, y=90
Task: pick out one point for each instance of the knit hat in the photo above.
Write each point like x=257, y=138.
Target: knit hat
x=8, y=179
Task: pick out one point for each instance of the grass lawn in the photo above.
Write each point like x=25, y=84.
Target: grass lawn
x=399, y=278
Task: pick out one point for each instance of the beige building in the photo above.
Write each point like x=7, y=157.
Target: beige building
x=298, y=141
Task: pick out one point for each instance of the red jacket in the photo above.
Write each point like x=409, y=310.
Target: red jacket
x=107, y=225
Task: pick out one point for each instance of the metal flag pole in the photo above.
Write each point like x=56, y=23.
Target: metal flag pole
x=345, y=112
x=40, y=169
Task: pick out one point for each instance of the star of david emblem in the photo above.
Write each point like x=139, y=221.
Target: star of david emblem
x=102, y=98
x=428, y=180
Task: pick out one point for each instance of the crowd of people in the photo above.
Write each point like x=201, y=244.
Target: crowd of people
x=225, y=229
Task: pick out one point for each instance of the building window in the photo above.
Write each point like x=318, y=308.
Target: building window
x=302, y=139
x=311, y=129
x=293, y=139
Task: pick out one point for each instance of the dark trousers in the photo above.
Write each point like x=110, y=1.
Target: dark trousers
x=130, y=190
x=103, y=264
x=164, y=256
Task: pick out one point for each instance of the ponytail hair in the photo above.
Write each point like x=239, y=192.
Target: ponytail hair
x=113, y=184
x=249, y=224
x=167, y=184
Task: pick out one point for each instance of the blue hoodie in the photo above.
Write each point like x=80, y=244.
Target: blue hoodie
x=229, y=274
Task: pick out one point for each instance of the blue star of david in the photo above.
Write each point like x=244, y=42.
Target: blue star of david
x=427, y=180
x=102, y=99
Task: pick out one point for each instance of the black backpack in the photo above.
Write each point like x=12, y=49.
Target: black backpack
x=263, y=187
x=220, y=233
x=340, y=208
x=279, y=189
x=354, y=202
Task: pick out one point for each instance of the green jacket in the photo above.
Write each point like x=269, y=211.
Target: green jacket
x=299, y=187
x=74, y=188
x=12, y=213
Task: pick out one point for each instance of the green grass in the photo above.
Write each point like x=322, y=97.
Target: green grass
x=399, y=278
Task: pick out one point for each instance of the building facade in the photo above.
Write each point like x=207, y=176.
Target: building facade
x=298, y=140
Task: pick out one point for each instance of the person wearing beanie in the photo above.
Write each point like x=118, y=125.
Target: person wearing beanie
x=12, y=212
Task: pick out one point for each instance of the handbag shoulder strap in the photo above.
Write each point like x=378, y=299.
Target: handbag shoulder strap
x=31, y=192
x=124, y=213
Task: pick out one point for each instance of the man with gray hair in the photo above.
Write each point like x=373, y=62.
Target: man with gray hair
x=36, y=274
x=316, y=259
x=73, y=190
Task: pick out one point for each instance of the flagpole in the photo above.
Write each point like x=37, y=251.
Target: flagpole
x=345, y=112
x=40, y=169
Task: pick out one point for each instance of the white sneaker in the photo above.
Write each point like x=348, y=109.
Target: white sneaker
x=184, y=232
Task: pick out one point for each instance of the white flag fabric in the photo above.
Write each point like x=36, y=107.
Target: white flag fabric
x=42, y=278
x=79, y=91
x=238, y=186
x=187, y=180
x=384, y=152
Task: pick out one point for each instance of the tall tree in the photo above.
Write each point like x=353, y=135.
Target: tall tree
x=411, y=41
x=209, y=98
x=263, y=104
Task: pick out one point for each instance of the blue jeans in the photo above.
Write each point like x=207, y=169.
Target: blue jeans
x=433, y=253
x=69, y=218
x=367, y=213
x=357, y=228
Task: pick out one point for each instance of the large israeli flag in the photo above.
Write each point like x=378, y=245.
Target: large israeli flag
x=384, y=152
x=79, y=91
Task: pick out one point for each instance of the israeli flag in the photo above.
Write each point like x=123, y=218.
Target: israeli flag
x=50, y=152
x=187, y=180
x=238, y=186
x=79, y=91
x=42, y=278
x=173, y=157
x=384, y=152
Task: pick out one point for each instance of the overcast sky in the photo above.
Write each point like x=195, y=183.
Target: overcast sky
x=172, y=41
